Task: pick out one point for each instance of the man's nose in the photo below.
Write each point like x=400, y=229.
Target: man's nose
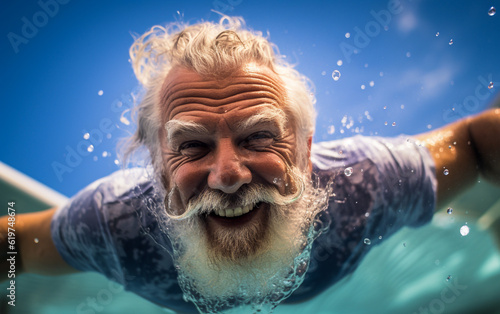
x=228, y=173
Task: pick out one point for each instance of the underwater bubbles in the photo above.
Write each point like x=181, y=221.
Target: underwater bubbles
x=446, y=172
x=449, y=210
x=90, y=148
x=490, y=86
x=367, y=241
x=348, y=171
x=336, y=75
x=100, y=93
x=86, y=136
x=492, y=11
x=450, y=42
x=464, y=230
x=36, y=240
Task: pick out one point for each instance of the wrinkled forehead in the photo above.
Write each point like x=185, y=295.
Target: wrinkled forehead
x=184, y=89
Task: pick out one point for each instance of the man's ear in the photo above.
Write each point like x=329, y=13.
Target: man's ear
x=309, y=144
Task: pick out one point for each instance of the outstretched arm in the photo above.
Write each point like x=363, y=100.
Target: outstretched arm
x=464, y=150
x=35, y=249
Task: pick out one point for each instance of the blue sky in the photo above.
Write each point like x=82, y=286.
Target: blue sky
x=58, y=56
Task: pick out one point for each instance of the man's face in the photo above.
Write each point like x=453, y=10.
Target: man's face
x=224, y=135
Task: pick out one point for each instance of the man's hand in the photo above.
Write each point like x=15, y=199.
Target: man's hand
x=464, y=150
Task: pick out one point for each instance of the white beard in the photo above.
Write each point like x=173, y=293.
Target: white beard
x=266, y=277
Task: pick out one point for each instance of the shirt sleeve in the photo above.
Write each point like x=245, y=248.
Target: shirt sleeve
x=379, y=186
x=81, y=234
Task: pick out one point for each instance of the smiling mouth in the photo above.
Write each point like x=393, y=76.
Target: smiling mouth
x=234, y=212
x=239, y=216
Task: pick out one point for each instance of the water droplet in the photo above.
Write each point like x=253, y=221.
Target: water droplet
x=429, y=126
x=437, y=34
x=367, y=241
x=100, y=92
x=449, y=146
x=348, y=171
x=340, y=62
x=35, y=240
x=331, y=129
x=464, y=230
x=124, y=120
x=372, y=83
x=451, y=42
x=86, y=136
x=347, y=35
x=490, y=86
x=336, y=75
x=117, y=162
x=394, y=124
x=380, y=237
x=104, y=154
x=385, y=123
x=385, y=107
x=446, y=172
x=90, y=148
x=448, y=278
x=449, y=210
x=492, y=11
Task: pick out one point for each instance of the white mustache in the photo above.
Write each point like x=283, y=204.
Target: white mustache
x=210, y=200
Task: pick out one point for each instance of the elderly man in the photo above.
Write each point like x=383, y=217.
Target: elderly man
x=237, y=207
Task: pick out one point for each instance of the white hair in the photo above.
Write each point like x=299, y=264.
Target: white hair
x=210, y=49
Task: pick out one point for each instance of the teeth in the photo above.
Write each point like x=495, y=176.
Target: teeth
x=234, y=212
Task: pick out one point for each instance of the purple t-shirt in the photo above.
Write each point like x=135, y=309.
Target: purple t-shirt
x=379, y=185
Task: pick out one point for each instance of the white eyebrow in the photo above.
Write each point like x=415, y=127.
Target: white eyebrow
x=266, y=115
x=176, y=127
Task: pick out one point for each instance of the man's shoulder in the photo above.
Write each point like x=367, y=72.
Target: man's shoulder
x=123, y=185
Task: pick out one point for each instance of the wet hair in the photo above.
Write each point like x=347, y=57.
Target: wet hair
x=210, y=49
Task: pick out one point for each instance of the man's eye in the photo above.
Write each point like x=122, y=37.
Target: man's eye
x=193, y=149
x=259, y=140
